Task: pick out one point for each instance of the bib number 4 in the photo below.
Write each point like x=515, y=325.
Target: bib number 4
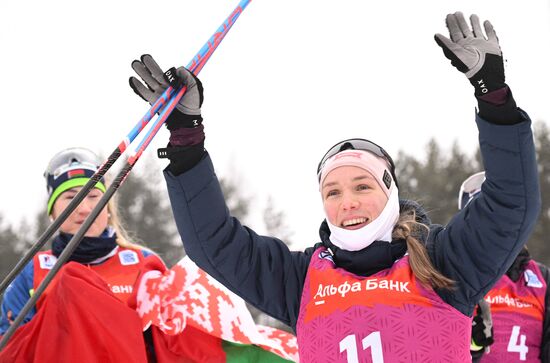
x=516, y=344
x=372, y=341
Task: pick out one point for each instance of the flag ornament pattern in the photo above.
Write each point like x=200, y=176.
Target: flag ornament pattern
x=185, y=294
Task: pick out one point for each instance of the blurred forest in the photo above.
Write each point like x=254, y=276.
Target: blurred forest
x=434, y=180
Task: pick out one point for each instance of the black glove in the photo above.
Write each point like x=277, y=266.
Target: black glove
x=479, y=58
x=482, y=328
x=186, y=146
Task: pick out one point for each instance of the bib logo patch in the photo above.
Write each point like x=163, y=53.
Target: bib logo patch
x=128, y=258
x=326, y=255
x=47, y=261
x=531, y=279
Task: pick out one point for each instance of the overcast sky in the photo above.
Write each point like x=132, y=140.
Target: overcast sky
x=290, y=79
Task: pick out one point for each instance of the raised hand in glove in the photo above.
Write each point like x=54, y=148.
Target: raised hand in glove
x=156, y=82
x=480, y=59
x=475, y=55
x=186, y=146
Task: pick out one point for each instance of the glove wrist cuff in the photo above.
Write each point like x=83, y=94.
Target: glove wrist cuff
x=184, y=136
x=181, y=158
x=178, y=119
x=490, y=77
x=499, y=112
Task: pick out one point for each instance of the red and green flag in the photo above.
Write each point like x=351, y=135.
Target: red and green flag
x=184, y=298
x=192, y=318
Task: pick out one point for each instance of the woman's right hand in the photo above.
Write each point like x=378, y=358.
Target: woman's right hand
x=186, y=146
x=155, y=82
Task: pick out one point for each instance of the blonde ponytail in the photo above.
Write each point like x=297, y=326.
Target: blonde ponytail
x=122, y=235
x=407, y=228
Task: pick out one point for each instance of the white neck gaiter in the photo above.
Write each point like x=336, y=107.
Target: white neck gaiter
x=379, y=229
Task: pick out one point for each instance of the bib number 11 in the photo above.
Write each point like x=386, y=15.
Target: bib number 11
x=372, y=341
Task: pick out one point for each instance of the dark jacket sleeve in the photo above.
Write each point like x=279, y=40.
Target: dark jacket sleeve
x=480, y=243
x=262, y=270
x=545, y=346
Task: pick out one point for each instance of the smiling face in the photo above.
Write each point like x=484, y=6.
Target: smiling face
x=75, y=220
x=352, y=197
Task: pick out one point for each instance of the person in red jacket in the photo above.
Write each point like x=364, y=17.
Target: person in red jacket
x=104, y=250
x=519, y=305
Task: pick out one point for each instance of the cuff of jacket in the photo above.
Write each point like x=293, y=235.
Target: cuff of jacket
x=196, y=178
x=182, y=158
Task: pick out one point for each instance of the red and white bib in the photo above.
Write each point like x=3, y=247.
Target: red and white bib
x=119, y=271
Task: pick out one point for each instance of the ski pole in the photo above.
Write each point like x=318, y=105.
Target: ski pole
x=75, y=240
x=197, y=64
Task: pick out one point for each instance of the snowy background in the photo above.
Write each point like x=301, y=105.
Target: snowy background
x=290, y=79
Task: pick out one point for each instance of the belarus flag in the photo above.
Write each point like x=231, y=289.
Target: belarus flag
x=185, y=297
x=76, y=172
x=190, y=316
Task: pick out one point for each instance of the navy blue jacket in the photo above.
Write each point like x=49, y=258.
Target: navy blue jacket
x=474, y=249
